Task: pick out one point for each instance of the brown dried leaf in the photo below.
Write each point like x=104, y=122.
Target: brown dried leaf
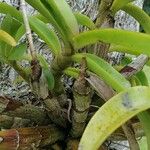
x=105, y=91
x=9, y=139
x=29, y=138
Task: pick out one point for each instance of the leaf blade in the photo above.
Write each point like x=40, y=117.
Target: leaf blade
x=112, y=114
x=17, y=52
x=4, y=36
x=84, y=20
x=118, y=4
x=7, y=9
x=141, y=16
x=46, y=34
x=103, y=70
x=65, y=20
x=47, y=72
x=137, y=42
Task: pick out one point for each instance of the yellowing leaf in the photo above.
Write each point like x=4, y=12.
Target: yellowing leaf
x=4, y=36
x=113, y=114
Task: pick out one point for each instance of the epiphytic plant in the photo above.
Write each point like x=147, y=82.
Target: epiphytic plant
x=58, y=27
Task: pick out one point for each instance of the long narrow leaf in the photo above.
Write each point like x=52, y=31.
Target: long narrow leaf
x=141, y=16
x=9, y=25
x=6, y=23
x=65, y=20
x=46, y=34
x=17, y=15
x=4, y=36
x=17, y=52
x=20, y=32
x=133, y=41
x=118, y=4
x=40, y=7
x=84, y=20
x=144, y=116
x=47, y=72
x=142, y=77
x=118, y=48
x=103, y=70
x=73, y=72
x=6, y=26
x=7, y=9
x=114, y=113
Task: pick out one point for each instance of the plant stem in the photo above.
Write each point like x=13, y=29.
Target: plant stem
x=55, y=112
x=28, y=30
x=28, y=111
x=58, y=65
x=35, y=66
x=130, y=136
x=30, y=138
x=81, y=102
x=104, y=20
x=104, y=11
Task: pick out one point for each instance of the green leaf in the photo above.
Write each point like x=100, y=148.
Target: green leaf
x=118, y=48
x=142, y=17
x=20, y=32
x=42, y=18
x=73, y=72
x=49, y=78
x=7, y=9
x=6, y=23
x=142, y=143
x=43, y=11
x=10, y=26
x=84, y=20
x=146, y=70
x=103, y=70
x=142, y=77
x=118, y=4
x=17, y=52
x=4, y=36
x=63, y=15
x=43, y=62
x=46, y=34
x=113, y=114
x=133, y=41
x=14, y=27
x=144, y=116
x=47, y=72
x=15, y=24
x=6, y=26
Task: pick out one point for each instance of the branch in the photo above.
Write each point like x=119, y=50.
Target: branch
x=127, y=128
